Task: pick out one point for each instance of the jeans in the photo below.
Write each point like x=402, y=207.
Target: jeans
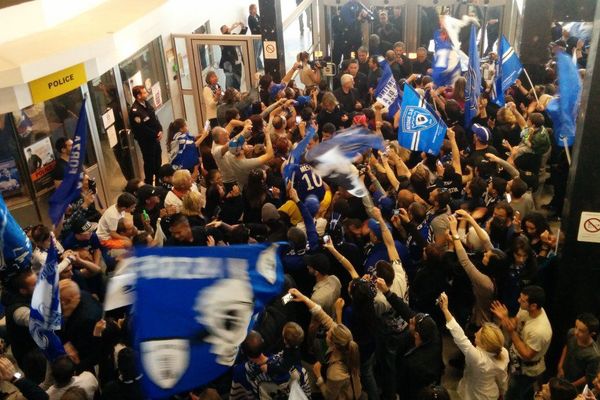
x=520, y=387
x=258, y=47
x=367, y=378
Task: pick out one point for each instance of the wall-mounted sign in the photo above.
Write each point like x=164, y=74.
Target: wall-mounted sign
x=61, y=82
x=270, y=48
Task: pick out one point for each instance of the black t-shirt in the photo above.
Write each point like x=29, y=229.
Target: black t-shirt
x=453, y=185
x=421, y=67
x=59, y=170
x=199, y=238
x=347, y=100
x=478, y=155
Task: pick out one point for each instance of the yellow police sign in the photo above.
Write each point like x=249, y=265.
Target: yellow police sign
x=58, y=83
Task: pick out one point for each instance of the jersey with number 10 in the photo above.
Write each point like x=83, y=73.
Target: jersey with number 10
x=307, y=181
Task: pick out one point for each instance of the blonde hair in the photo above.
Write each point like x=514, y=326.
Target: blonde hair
x=293, y=334
x=491, y=339
x=506, y=116
x=181, y=178
x=342, y=339
x=191, y=203
x=329, y=99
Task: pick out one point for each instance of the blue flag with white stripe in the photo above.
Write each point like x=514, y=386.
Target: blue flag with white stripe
x=70, y=187
x=193, y=308
x=16, y=246
x=508, y=69
x=563, y=110
x=446, y=61
x=473, y=89
x=421, y=129
x=387, y=91
x=333, y=159
x=45, y=316
x=296, y=154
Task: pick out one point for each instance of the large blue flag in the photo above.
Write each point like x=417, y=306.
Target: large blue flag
x=45, y=316
x=193, y=308
x=333, y=159
x=16, y=246
x=473, y=89
x=421, y=129
x=296, y=154
x=563, y=110
x=387, y=92
x=508, y=69
x=70, y=187
x=446, y=61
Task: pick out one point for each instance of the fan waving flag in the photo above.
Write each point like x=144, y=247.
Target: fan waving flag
x=295, y=156
x=70, y=187
x=421, y=129
x=193, y=308
x=387, y=92
x=473, y=89
x=45, y=315
x=508, y=69
x=16, y=246
x=333, y=159
x=446, y=61
x=563, y=110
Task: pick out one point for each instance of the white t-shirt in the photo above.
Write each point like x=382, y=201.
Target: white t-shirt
x=537, y=334
x=326, y=292
x=108, y=222
x=240, y=168
x=399, y=287
x=86, y=381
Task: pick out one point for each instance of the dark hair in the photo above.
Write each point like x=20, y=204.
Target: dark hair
x=561, y=389
x=443, y=198
x=535, y=295
x=231, y=114
x=63, y=370
x=126, y=364
x=477, y=187
x=385, y=271
x=178, y=219
x=141, y=239
x=297, y=238
x=60, y=144
x=537, y=219
x=126, y=200
x=328, y=127
x=503, y=205
x=278, y=122
x=17, y=282
x=174, y=127
x=425, y=326
x=132, y=185
x=363, y=306
x=253, y=345
x=229, y=95
x=434, y=253
x=265, y=81
x=257, y=123
x=209, y=75
x=240, y=234
x=256, y=189
x=137, y=90
x=537, y=119
x=518, y=188
x=591, y=322
x=453, y=112
x=40, y=233
x=499, y=185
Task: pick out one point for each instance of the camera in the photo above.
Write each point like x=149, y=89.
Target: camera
x=92, y=185
x=287, y=298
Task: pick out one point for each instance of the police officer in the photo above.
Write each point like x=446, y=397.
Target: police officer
x=147, y=130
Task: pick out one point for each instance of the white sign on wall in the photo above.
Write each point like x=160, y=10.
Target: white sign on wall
x=589, y=227
x=270, y=48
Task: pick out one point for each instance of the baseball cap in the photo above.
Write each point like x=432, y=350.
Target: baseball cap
x=375, y=228
x=166, y=170
x=482, y=133
x=318, y=262
x=82, y=225
x=301, y=101
x=386, y=205
x=276, y=88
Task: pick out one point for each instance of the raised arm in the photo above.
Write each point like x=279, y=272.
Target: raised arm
x=314, y=308
x=481, y=234
x=342, y=260
x=388, y=239
x=455, y=152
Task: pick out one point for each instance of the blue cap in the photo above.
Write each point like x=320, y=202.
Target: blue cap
x=301, y=101
x=386, y=205
x=481, y=133
x=236, y=144
x=313, y=204
x=276, y=88
x=375, y=228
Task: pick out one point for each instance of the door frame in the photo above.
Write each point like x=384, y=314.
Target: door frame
x=246, y=44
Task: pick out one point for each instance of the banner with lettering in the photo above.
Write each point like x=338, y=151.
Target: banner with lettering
x=194, y=307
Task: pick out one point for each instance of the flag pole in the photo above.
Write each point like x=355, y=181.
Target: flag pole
x=567, y=151
x=531, y=83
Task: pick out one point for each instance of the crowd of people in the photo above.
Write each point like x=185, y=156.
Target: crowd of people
x=448, y=247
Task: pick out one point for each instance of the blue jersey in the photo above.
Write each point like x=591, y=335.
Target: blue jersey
x=307, y=181
x=187, y=156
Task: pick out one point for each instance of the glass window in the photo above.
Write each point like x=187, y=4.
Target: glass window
x=146, y=68
x=13, y=171
x=39, y=126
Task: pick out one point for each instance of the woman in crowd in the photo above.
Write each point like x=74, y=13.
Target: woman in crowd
x=212, y=94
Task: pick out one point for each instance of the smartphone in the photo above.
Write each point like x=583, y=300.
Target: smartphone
x=396, y=211
x=298, y=119
x=287, y=298
x=326, y=238
x=207, y=126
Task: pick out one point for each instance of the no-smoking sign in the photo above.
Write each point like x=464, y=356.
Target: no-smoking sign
x=589, y=227
x=270, y=47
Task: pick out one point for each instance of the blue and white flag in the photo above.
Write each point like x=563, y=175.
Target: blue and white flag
x=421, y=129
x=333, y=159
x=508, y=69
x=16, y=246
x=45, y=316
x=387, y=91
x=446, y=61
x=296, y=154
x=563, y=110
x=70, y=187
x=193, y=308
x=473, y=89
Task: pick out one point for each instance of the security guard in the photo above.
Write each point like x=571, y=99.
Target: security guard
x=147, y=130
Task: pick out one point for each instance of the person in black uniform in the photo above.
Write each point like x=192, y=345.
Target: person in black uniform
x=148, y=131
